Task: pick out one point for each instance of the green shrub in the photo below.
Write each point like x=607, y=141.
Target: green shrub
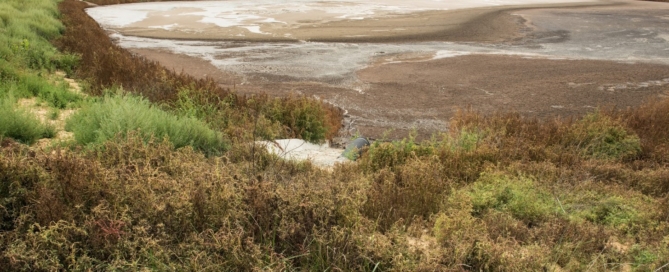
x=629, y=213
x=120, y=114
x=467, y=140
x=518, y=196
x=20, y=124
x=67, y=63
x=305, y=118
x=56, y=95
x=612, y=211
x=28, y=25
x=601, y=137
x=393, y=154
x=194, y=104
x=643, y=258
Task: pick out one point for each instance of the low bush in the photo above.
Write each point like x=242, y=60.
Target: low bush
x=519, y=197
x=381, y=154
x=305, y=117
x=114, y=2
x=20, y=124
x=623, y=210
x=600, y=136
x=651, y=123
x=119, y=114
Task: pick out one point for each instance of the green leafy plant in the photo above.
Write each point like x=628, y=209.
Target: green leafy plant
x=602, y=137
x=120, y=114
x=518, y=196
x=20, y=124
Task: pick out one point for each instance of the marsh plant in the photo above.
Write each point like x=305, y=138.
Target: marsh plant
x=171, y=183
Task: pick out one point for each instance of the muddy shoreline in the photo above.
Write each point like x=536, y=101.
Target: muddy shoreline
x=484, y=24
x=421, y=93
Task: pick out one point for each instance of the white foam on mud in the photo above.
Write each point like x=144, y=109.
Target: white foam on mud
x=296, y=149
x=244, y=13
x=166, y=27
x=225, y=20
x=442, y=54
x=337, y=63
x=254, y=29
x=117, y=17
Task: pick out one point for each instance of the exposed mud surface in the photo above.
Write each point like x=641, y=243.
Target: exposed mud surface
x=544, y=62
x=425, y=95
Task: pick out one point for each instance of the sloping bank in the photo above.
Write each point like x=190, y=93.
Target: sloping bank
x=105, y=65
x=500, y=193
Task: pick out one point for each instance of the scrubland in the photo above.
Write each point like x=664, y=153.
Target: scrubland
x=161, y=174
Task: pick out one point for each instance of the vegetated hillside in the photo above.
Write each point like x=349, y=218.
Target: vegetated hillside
x=498, y=192
x=25, y=55
x=105, y=65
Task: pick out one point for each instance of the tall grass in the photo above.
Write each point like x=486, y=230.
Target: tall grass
x=28, y=26
x=121, y=114
x=26, y=84
x=25, y=51
x=20, y=124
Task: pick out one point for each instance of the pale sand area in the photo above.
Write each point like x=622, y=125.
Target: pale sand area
x=308, y=20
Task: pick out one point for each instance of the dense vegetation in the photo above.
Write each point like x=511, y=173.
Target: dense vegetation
x=500, y=192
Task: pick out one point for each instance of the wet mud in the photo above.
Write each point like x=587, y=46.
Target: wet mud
x=542, y=62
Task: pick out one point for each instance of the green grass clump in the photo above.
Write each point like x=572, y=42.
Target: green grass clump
x=28, y=26
x=21, y=125
x=393, y=154
x=518, y=196
x=602, y=137
x=26, y=83
x=626, y=211
x=120, y=114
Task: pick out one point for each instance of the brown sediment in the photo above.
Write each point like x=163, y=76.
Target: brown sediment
x=424, y=94
x=485, y=24
x=196, y=67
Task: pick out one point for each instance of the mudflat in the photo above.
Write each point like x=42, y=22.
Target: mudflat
x=400, y=92
x=308, y=20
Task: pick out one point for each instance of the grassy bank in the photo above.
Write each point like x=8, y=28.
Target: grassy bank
x=26, y=56
x=120, y=114
x=496, y=193
x=105, y=65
